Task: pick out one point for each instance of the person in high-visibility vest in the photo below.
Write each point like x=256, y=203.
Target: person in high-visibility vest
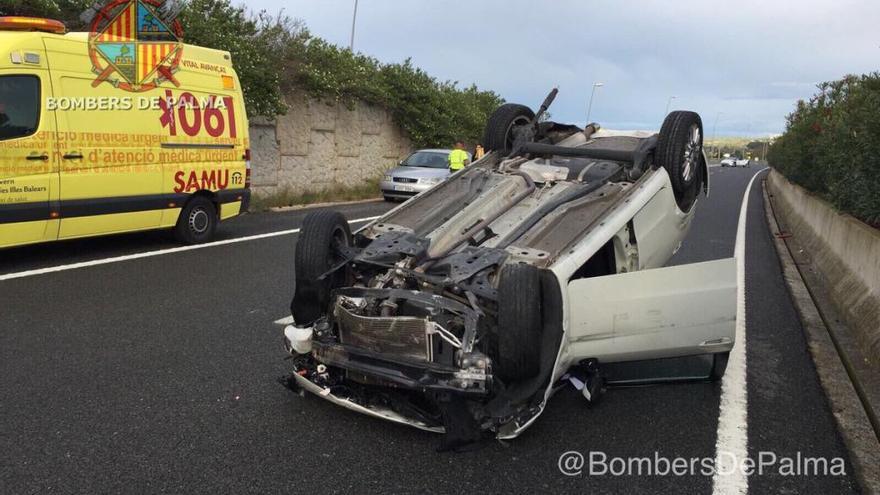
x=458, y=157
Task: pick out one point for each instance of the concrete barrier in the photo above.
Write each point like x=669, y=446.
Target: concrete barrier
x=844, y=249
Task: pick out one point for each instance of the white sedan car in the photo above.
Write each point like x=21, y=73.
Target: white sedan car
x=736, y=162
x=464, y=309
x=418, y=172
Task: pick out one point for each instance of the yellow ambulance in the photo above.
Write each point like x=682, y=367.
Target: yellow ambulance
x=102, y=133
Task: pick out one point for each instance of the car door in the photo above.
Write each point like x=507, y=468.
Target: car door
x=653, y=314
x=28, y=158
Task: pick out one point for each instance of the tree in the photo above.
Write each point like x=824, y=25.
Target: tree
x=63, y=10
x=257, y=44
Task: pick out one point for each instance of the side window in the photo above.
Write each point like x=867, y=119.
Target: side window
x=19, y=106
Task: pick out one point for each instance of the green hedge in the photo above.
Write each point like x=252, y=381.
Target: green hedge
x=63, y=10
x=274, y=54
x=831, y=145
x=433, y=113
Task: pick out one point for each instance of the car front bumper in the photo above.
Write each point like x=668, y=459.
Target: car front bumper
x=511, y=429
x=373, y=410
x=393, y=189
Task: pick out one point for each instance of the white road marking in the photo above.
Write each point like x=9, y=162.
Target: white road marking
x=160, y=252
x=731, y=448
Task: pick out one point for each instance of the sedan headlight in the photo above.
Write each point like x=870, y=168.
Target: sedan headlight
x=431, y=180
x=388, y=178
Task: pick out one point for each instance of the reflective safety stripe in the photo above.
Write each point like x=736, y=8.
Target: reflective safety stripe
x=31, y=212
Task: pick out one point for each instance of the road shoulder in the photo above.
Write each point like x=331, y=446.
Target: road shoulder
x=848, y=410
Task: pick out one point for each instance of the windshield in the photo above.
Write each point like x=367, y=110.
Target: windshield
x=429, y=159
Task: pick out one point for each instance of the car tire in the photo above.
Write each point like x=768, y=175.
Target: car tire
x=719, y=365
x=317, y=251
x=197, y=222
x=499, y=135
x=519, y=323
x=679, y=151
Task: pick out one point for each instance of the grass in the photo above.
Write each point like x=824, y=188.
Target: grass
x=286, y=197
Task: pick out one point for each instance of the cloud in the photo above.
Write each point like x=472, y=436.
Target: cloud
x=748, y=60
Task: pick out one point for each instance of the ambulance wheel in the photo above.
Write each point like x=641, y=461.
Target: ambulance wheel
x=519, y=322
x=197, y=222
x=320, y=247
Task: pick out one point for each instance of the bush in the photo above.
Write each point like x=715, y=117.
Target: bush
x=831, y=145
x=64, y=10
x=257, y=43
x=431, y=112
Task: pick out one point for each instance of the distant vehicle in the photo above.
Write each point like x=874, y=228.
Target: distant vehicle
x=420, y=171
x=736, y=162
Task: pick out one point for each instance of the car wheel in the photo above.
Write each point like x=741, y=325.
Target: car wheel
x=519, y=322
x=719, y=365
x=389, y=199
x=197, y=221
x=500, y=135
x=323, y=236
x=679, y=151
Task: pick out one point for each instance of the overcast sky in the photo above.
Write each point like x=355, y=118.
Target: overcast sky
x=750, y=60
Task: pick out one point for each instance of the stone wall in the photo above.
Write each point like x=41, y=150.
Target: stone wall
x=320, y=145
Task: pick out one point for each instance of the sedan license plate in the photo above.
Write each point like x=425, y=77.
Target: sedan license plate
x=403, y=188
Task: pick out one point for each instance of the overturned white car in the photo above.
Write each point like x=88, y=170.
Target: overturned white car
x=463, y=310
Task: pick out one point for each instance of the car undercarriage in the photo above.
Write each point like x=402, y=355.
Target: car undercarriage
x=451, y=313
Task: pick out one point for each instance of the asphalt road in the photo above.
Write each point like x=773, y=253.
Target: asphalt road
x=159, y=374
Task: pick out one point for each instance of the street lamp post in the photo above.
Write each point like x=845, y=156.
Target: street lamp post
x=668, y=102
x=592, y=93
x=353, y=22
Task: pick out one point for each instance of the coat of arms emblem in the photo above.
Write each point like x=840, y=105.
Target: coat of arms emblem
x=135, y=45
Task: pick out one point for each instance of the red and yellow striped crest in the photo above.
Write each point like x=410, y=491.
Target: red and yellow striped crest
x=122, y=28
x=152, y=55
x=131, y=38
